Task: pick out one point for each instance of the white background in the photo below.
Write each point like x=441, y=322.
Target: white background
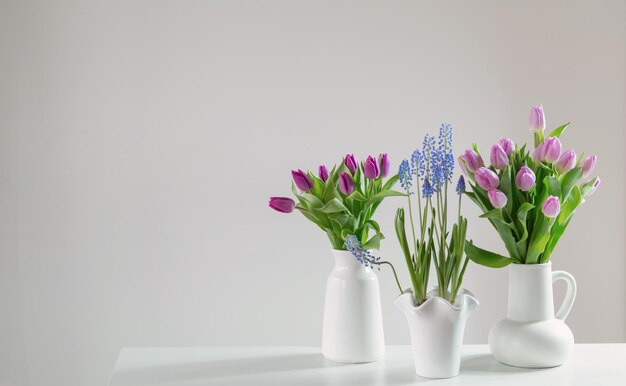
x=140, y=140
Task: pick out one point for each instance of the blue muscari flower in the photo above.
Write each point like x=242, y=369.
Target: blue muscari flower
x=460, y=186
x=405, y=174
x=418, y=163
x=362, y=255
x=427, y=189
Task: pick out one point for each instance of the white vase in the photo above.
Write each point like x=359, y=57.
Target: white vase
x=353, y=321
x=437, y=328
x=532, y=335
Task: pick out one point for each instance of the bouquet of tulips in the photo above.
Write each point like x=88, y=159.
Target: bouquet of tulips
x=528, y=198
x=343, y=201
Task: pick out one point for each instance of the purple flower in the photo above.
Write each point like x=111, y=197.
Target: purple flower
x=551, y=206
x=462, y=165
x=539, y=153
x=384, y=165
x=507, y=145
x=497, y=198
x=473, y=160
x=537, y=119
x=322, y=173
x=486, y=179
x=525, y=179
x=350, y=163
x=588, y=164
x=370, y=168
x=346, y=186
x=460, y=186
x=303, y=182
x=498, y=157
x=551, y=149
x=282, y=204
x=566, y=161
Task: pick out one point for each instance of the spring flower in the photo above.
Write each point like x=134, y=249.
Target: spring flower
x=552, y=149
x=507, y=145
x=363, y=256
x=538, y=153
x=346, y=186
x=462, y=165
x=384, y=164
x=497, y=198
x=588, y=164
x=303, y=182
x=566, y=161
x=282, y=204
x=498, y=157
x=537, y=119
x=595, y=185
x=445, y=150
x=551, y=206
x=460, y=186
x=418, y=164
x=322, y=173
x=525, y=179
x=427, y=189
x=486, y=179
x=405, y=175
x=350, y=163
x=370, y=168
x=473, y=160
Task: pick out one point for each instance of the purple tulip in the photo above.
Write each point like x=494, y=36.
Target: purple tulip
x=537, y=119
x=370, y=168
x=551, y=206
x=322, y=173
x=303, y=182
x=507, y=145
x=498, y=157
x=473, y=160
x=346, y=186
x=538, y=153
x=566, y=161
x=384, y=165
x=588, y=164
x=282, y=204
x=551, y=149
x=486, y=179
x=350, y=163
x=525, y=179
x=497, y=198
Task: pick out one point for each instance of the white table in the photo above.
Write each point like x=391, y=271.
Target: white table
x=591, y=364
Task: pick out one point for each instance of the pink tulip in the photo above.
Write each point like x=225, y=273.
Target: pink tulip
x=552, y=149
x=507, y=145
x=537, y=119
x=566, y=161
x=282, y=204
x=384, y=165
x=462, y=165
x=473, y=160
x=497, y=198
x=551, y=206
x=539, y=153
x=525, y=179
x=370, y=168
x=588, y=164
x=346, y=186
x=486, y=179
x=498, y=157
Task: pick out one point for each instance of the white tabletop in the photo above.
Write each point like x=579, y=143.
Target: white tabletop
x=591, y=364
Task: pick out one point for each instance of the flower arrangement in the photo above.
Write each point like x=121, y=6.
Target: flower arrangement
x=430, y=169
x=343, y=201
x=528, y=198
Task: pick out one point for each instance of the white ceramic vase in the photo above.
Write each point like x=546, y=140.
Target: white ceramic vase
x=532, y=335
x=437, y=328
x=353, y=321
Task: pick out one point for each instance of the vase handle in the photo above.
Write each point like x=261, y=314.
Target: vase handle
x=570, y=295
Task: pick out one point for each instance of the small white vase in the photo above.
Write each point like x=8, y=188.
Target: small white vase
x=532, y=335
x=437, y=329
x=353, y=321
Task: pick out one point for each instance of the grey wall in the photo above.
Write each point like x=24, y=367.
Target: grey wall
x=141, y=139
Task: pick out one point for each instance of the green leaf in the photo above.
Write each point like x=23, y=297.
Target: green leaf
x=383, y=194
x=356, y=195
x=373, y=225
x=588, y=187
x=374, y=242
x=391, y=182
x=562, y=221
x=539, y=239
x=559, y=130
x=495, y=214
x=569, y=180
x=554, y=188
x=313, y=201
x=333, y=206
x=486, y=258
x=520, y=222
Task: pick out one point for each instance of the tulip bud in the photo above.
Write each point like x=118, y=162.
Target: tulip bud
x=507, y=145
x=350, y=163
x=538, y=153
x=303, y=182
x=322, y=173
x=566, y=161
x=486, y=179
x=462, y=165
x=346, y=186
x=552, y=149
x=384, y=165
x=282, y=204
x=498, y=157
x=537, y=119
x=473, y=160
x=589, y=187
x=588, y=164
x=497, y=198
x=370, y=168
x=525, y=179
x=551, y=206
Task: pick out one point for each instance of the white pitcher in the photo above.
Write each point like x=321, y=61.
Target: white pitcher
x=532, y=335
x=353, y=321
x=437, y=329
